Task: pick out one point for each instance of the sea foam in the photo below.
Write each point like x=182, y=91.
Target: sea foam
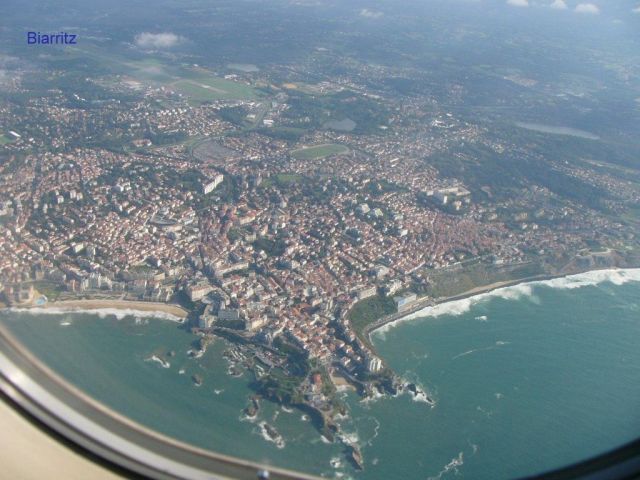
x=617, y=276
x=275, y=437
x=451, y=466
x=119, y=313
x=155, y=358
x=517, y=292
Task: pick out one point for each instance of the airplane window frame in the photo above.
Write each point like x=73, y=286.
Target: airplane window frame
x=123, y=444
x=65, y=409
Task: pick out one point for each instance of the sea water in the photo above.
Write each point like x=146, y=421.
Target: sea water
x=524, y=379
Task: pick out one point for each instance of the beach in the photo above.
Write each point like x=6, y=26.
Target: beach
x=340, y=381
x=118, y=308
x=496, y=365
x=515, y=362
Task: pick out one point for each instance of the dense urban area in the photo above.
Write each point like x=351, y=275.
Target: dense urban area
x=289, y=209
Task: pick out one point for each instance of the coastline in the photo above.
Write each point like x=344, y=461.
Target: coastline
x=424, y=303
x=166, y=311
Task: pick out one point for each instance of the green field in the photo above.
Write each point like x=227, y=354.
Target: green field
x=198, y=84
x=368, y=311
x=319, y=151
x=282, y=180
x=51, y=290
x=151, y=74
x=287, y=178
x=207, y=89
x=4, y=139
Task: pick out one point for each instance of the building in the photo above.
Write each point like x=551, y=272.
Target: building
x=210, y=186
x=380, y=271
x=97, y=281
x=206, y=320
x=404, y=302
x=255, y=322
x=363, y=209
x=198, y=291
x=20, y=294
x=366, y=292
x=374, y=364
x=392, y=287
x=453, y=197
x=229, y=314
x=376, y=213
x=222, y=270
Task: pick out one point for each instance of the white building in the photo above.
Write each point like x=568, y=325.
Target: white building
x=210, y=186
x=405, y=301
x=363, y=208
x=374, y=364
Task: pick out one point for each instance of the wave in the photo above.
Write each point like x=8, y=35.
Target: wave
x=376, y=431
x=119, y=313
x=155, y=358
x=350, y=438
x=498, y=343
x=486, y=413
x=469, y=352
x=452, y=465
x=422, y=397
x=373, y=396
x=271, y=435
x=616, y=276
x=246, y=418
x=196, y=353
x=462, y=306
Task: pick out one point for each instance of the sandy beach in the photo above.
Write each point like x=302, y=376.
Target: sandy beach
x=339, y=381
x=96, y=304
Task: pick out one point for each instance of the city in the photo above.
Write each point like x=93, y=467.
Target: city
x=287, y=210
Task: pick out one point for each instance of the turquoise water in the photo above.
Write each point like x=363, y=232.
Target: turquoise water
x=111, y=360
x=525, y=379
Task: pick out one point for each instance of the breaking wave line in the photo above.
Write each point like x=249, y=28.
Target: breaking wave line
x=119, y=313
x=616, y=276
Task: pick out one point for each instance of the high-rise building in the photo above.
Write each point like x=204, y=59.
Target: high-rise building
x=210, y=186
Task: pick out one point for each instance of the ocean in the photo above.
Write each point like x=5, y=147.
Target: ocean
x=525, y=379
